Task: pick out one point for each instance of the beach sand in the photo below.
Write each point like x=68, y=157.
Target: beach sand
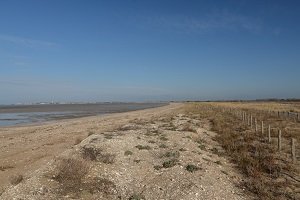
x=24, y=149
x=157, y=153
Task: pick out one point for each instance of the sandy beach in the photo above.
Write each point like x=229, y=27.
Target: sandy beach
x=26, y=148
x=157, y=153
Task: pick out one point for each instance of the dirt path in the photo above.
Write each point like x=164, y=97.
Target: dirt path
x=155, y=154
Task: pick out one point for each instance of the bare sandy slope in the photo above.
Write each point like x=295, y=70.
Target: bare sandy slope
x=151, y=151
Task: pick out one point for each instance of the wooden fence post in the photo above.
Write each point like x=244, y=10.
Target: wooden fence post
x=269, y=133
x=262, y=127
x=256, y=128
x=248, y=120
x=279, y=140
x=293, y=149
x=251, y=121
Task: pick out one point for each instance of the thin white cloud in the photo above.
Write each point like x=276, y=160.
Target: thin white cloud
x=27, y=41
x=214, y=21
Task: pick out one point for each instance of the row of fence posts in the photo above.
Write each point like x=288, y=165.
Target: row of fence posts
x=287, y=114
x=248, y=119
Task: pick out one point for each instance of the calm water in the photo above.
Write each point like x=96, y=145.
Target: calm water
x=15, y=115
x=9, y=119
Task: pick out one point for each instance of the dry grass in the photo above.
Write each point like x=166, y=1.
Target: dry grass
x=142, y=147
x=263, y=167
x=266, y=106
x=189, y=128
x=16, y=179
x=170, y=163
x=96, y=154
x=192, y=168
x=136, y=197
x=71, y=174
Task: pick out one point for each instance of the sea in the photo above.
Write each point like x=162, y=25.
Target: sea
x=12, y=115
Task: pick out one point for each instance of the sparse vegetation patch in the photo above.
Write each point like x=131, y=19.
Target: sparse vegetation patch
x=163, y=146
x=192, y=168
x=128, y=153
x=95, y=154
x=170, y=163
x=137, y=197
x=143, y=147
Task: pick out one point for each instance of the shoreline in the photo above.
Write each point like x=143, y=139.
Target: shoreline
x=30, y=113
x=24, y=149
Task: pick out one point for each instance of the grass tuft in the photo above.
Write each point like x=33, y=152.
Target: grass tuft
x=142, y=147
x=192, y=168
x=170, y=163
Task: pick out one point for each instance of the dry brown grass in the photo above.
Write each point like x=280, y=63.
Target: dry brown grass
x=266, y=106
x=189, y=128
x=262, y=166
x=95, y=154
x=71, y=174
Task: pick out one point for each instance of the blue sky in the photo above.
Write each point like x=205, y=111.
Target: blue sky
x=75, y=50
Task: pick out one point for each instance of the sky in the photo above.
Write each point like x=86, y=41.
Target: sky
x=135, y=50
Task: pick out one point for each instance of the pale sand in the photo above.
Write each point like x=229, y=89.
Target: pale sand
x=27, y=148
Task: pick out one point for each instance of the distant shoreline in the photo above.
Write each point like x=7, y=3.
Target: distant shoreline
x=32, y=114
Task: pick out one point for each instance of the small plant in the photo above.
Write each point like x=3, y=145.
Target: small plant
x=136, y=197
x=192, y=168
x=218, y=162
x=182, y=149
x=16, y=179
x=98, y=184
x=138, y=137
x=163, y=146
x=151, y=141
x=107, y=158
x=128, y=153
x=163, y=138
x=108, y=136
x=141, y=147
x=137, y=161
x=70, y=172
x=189, y=128
x=90, y=152
x=200, y=141
x=174, y=154
x=170, y=163
x=202, y=146
x=157, y=167
x=95, y=154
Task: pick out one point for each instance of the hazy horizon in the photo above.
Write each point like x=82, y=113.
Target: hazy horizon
x=136, y=51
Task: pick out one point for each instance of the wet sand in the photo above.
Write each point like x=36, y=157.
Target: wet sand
x=26, y=114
